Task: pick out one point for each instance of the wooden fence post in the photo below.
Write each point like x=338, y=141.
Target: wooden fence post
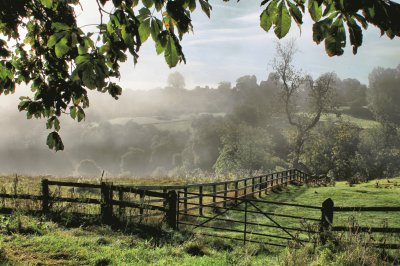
x=272, y=181
x=266, y=185
x=326, y=218
x=245, y=223
x=121, y=210
x=225, y=194
x=236, y=191
x=252, y=185
x=165, y=201
x=260, y=187
x=172, y=213
x=106, y=206
x=141, y=210
x=185, y=200
x=245, y=187
x=214, y=194
x=45, y=196
x=201, y=200
x=286, y=178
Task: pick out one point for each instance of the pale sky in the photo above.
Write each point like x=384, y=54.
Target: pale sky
x=232, y=44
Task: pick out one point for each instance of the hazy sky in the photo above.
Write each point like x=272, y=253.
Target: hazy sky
x=232, y=44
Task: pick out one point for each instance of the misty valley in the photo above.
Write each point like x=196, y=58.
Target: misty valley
x=234, y=128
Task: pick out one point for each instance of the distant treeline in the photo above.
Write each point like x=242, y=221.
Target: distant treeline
x=228, y=129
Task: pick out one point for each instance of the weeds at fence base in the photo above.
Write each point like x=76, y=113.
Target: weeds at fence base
x=340, y=249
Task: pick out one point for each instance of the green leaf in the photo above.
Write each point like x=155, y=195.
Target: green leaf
x=179, y=16
x=80, y=114
x=54, y=39
x=171, y=53
x=24, y=103
x=148, y=3
x=62, y=48
x=82, y=59
x=156, y=26
x=53, y=122
x=74, y=39
x=56, y=124
x=47, y=3
x=264, y=2
x=159, y=47
x=143, y=14
x=60, y=26
x=315, y=10
x=117, y=3
x=268, y=16
x=336, y=38
x=362, y=20
x=321, y=30
x=72, y=112
x=283, y=21
x=355, y=32
x=54, y=141
x=144, y=30
x=329, y=9
x=206, y=7
x=159, y=4
x=295, y=13
x=88, y=77
x=114, y=90
x=192, y=5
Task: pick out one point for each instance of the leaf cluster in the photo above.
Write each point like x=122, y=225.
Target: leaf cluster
x=332, y=18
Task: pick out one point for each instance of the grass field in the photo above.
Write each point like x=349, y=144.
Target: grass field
x=28, y=240
x=173, y=123
x=366, y=194
x=362, y=123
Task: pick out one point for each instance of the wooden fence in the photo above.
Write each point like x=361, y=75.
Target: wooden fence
x=160, y=202
x=157, y=200
x=194, y=196
x=190, y=201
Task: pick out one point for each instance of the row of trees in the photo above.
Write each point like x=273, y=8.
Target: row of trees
x=276, y=124
x=250, y=126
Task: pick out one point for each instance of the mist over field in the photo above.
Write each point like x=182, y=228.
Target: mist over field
x=232, y=128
